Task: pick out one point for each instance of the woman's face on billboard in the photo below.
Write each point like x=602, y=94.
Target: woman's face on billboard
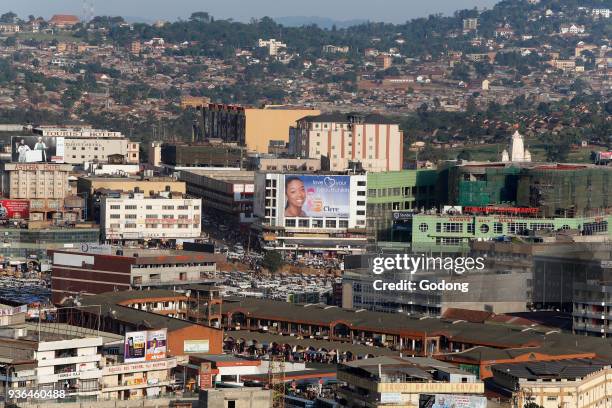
x=296, y=194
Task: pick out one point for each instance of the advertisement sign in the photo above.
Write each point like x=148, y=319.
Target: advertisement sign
x=35, y=149
x=195, y=346
x=206, y=377
x=135, y=346
x=14, y=209
x=403, y=215
x=452, y=401
x=156, y=344
x=316, y=196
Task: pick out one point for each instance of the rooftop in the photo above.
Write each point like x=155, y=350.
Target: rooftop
x=557, y=370
x=337, y=117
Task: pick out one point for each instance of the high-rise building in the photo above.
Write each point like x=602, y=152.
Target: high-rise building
x=373, y=140
x=253, y=128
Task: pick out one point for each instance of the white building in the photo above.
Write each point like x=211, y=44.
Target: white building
x=324, y=212
x=135, y=216
x=518, y=152
x=572, y=29
x=272, y=45
x=373, y=140
x=72, y=365
x=601, y=12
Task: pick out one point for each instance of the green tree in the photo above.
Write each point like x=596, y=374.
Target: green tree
x=272, y=261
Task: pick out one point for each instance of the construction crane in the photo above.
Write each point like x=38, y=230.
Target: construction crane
x=276, y=380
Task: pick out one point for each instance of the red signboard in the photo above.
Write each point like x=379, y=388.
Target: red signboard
x=206, y=376
x=501, y=210
x=14, y=209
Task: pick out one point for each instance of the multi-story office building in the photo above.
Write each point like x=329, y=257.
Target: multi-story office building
x=302, y=212
x=557, y=190
x=226, y=193
x=373, y=140
x=136, y=217
x=493, y=289
x=187, y=155
x=92, y=188
x=253, y=128
x=392, y=199
x=89, y=271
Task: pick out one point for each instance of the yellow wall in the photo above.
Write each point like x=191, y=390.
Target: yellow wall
x=263, y=125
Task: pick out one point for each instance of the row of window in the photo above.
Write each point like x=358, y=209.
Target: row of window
x=315, y=223
x=150, y=207
x=153, y=226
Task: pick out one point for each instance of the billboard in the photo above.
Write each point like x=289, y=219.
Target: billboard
x=14, y=209
x=316, y=196
x=196, y=346
x=35, y=149
x=156, y=344
x=134, y=346
x=452, y=401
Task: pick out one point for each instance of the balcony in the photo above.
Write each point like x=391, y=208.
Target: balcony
x=126, y=386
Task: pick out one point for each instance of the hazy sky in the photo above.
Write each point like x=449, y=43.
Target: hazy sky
x=374, y=10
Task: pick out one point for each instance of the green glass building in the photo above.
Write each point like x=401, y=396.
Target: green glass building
x=393, y=197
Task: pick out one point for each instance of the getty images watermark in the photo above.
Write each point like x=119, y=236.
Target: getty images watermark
x=412, y=264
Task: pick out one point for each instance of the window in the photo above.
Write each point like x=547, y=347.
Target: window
x=372, y=192
x=452, y=227
x=167, y=216
x=303, y=223
x=167, y=207
x=423, y=227
x=361, y=212
x=130, y=225
x=289, y=223
x=115, y=207
x=130, y=216
x=361, y=183
x=183, y=216
x=149, y=207
x=484, y=228
x=317, y=223
x=131, y=207
x=361, y=193
x=498, y=228
x=182, y=207
x=154, y=216
x=470, y=228
x=330, y=223
x=343, y=224
x=516, y=227
x=115, y=216
x=536, y=226
x=449, y=240
x=361, y=203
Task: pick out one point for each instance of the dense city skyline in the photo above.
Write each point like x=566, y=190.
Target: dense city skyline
x=395, y=11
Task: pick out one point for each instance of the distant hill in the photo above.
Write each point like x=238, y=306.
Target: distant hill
x=322, y=22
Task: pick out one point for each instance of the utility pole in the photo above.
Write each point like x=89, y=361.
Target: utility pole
x=276, y=380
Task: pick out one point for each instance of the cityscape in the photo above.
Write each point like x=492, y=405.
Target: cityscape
x=315, y=212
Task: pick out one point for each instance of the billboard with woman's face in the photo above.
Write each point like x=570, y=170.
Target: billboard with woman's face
x=316, y=196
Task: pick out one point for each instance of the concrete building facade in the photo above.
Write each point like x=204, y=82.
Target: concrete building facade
x=374, y=141
x=251, y=127
x=134, y=216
